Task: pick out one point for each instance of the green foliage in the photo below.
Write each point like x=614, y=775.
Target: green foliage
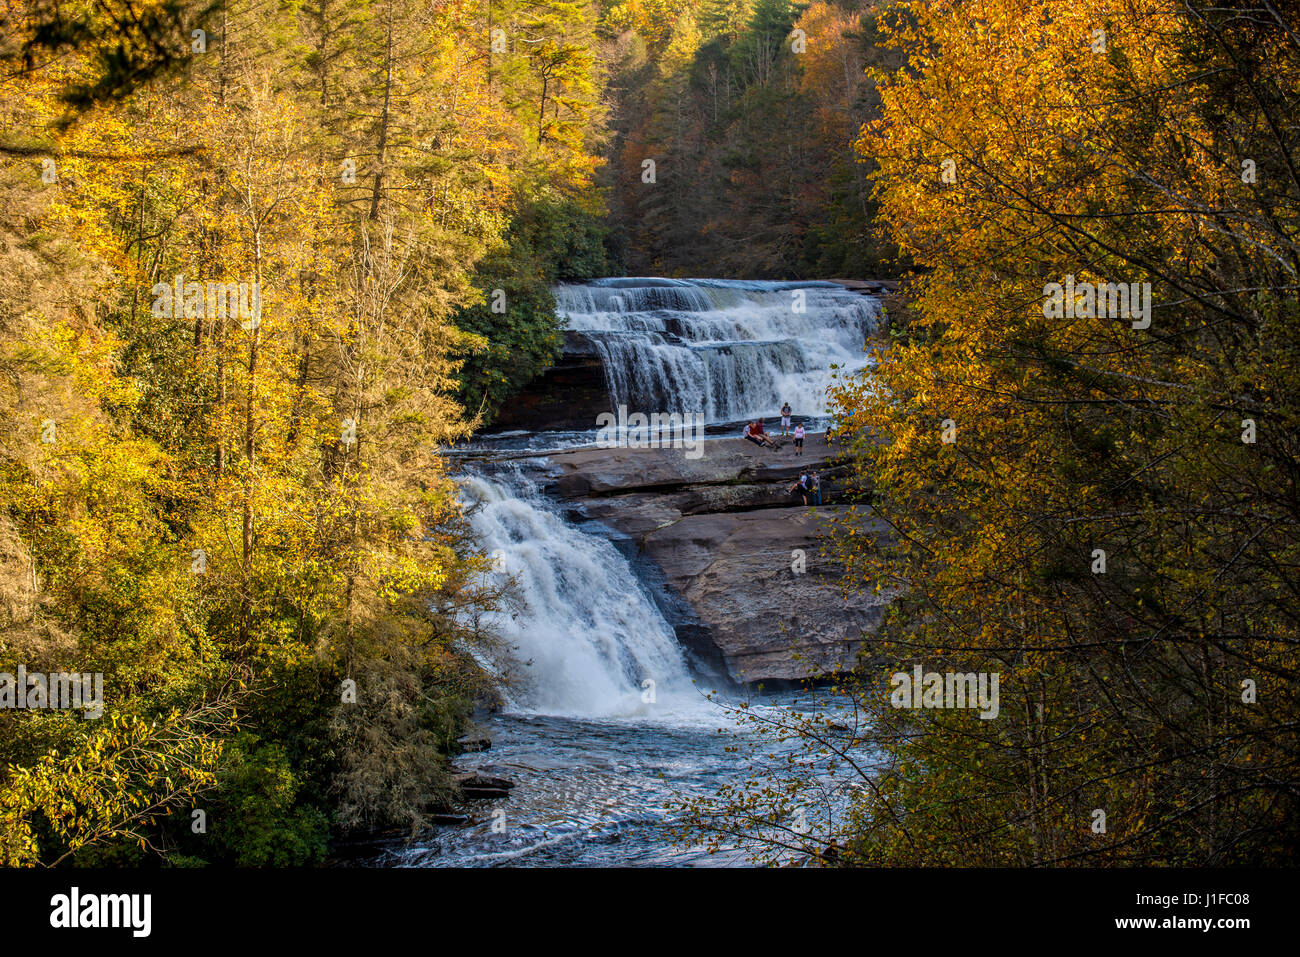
x=258, y=818
x=552, y=238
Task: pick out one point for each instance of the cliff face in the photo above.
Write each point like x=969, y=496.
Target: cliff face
x=736, y=558
x=568, y=395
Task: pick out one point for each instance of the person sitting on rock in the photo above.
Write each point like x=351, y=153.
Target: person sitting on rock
x=754, y=432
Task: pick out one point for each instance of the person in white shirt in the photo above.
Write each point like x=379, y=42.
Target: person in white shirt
x=798, y=439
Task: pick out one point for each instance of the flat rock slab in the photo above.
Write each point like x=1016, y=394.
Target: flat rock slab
x=587, y=472
x=478, y=786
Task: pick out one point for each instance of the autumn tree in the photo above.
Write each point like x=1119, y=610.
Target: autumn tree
x=231, y=292
x=1090, y=502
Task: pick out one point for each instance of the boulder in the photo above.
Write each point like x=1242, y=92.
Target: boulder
x=474, y=785
x=476, y=739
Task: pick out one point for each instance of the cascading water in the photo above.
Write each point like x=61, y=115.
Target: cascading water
x=600, y=756
x=586, y=638
x=597, y=754
x=732, y=349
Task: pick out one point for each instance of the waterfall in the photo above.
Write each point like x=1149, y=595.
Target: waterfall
x=731, y=349
x=600, y=760
x=585, y=637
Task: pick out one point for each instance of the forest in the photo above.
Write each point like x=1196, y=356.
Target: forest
x=263, y=261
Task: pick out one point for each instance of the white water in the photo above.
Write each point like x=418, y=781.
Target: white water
x=585, y=637
x=599, y=768
x=732, y=349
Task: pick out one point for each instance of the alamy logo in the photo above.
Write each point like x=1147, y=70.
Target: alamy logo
x=75, y=909
x=1103, y=300
x=59, y=691
x=930, y=689
x=660, y=430
x=212, y=300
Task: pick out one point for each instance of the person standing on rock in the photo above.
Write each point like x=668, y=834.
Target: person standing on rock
x=815, y=487
x=798, y=439
x=785, y=418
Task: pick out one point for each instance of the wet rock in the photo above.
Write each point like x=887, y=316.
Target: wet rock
x=569, y=395
x=475, y=785
x=456, y=820
x=474, y=740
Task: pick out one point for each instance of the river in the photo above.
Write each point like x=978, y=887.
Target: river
x=607, y=723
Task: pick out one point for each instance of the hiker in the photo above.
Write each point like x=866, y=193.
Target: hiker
x=800, y=488
x=751, y=434
x=785, y=418
x=798, y=439
x=815, y=487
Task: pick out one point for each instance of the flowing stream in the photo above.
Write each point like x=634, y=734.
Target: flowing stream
x=606, y=723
